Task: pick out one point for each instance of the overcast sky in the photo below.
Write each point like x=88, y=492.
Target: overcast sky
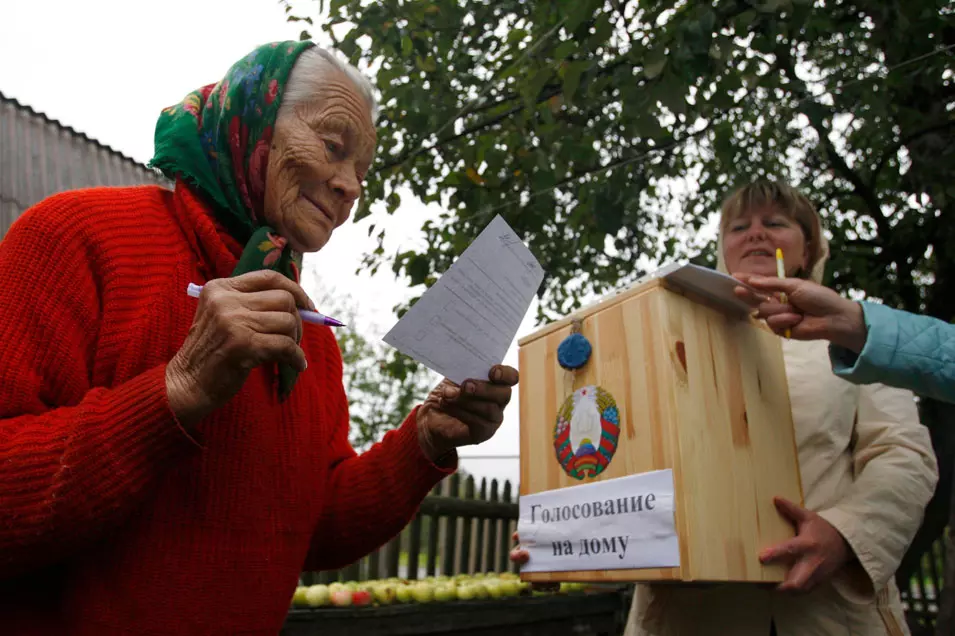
x=107, y=68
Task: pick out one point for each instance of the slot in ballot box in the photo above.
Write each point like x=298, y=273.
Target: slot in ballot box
x=658, y=459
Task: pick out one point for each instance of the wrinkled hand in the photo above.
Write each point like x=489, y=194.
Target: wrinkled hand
x=816, y=552
x=520, y=556
x=811, y=311
x=454, y=416
x=240, y=323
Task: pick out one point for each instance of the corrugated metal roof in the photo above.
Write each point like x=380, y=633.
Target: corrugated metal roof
x=40, y=156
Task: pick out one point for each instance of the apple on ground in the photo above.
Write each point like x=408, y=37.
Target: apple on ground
x=493, y=587
x=361, y=598
x=467, y=592
x=316, y=595
x=423, y=592
x=341, y=598
x=403, y=593
x=298, y=598
x=445, y=592
x=510, y=588
x=385, y=594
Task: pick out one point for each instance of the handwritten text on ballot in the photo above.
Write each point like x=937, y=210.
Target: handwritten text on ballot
x=465, y=323
x=618, y=524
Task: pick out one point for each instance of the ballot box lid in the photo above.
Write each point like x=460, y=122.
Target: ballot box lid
x=698, y=283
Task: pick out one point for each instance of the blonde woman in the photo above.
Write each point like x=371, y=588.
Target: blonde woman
x=868, y=470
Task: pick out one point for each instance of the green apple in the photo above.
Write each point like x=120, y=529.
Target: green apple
x=298, y=598
x=317, y=595
x=510, y=588
x=423, y=592
x=384, y=594
x=480, y=591
x=336, y=586
x=467, y=592
x=352, y=586
x=493, y=587
x=444, y=593
x=403, y=593
x=508, y=576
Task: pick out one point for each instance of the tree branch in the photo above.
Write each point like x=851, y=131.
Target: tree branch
x=904, y=141
x=811, y=109
x=548, y=91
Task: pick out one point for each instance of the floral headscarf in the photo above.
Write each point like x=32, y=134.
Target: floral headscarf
x=218, y=139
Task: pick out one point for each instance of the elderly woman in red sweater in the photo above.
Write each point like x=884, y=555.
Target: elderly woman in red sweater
x=168, y=465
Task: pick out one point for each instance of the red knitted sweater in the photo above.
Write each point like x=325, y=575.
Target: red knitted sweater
x=113, y=520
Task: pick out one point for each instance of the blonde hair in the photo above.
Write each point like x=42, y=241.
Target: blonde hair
x=787, y=200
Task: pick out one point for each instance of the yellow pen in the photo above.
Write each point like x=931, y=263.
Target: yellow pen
x=781, y=273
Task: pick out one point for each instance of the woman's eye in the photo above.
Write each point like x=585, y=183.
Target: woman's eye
x=333, y=148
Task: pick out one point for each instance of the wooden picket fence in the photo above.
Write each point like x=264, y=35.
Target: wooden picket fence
x=461, y=528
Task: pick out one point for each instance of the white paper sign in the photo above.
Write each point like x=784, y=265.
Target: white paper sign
x=465, y=323
x=618, y=524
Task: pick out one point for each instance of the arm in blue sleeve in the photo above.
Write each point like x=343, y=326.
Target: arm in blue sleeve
x=902, y=350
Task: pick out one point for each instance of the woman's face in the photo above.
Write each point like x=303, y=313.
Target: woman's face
x=320, y=154
x=750, y=242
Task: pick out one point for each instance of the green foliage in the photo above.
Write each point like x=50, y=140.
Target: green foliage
x=608, y=132
x=382, y=386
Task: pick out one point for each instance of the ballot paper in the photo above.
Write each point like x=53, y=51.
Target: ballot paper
x=713, y=285
x=465, y=323
x=710, y=284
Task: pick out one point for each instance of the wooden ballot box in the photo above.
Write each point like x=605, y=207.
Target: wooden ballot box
x=695, y=390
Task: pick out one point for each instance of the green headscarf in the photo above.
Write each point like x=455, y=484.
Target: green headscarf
x=218, y=139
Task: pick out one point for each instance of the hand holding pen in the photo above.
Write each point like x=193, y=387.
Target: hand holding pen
x=807, y=311
x=240, y=323
x=309, y=316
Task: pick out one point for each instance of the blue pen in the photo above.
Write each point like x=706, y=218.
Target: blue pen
x=312, y=317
